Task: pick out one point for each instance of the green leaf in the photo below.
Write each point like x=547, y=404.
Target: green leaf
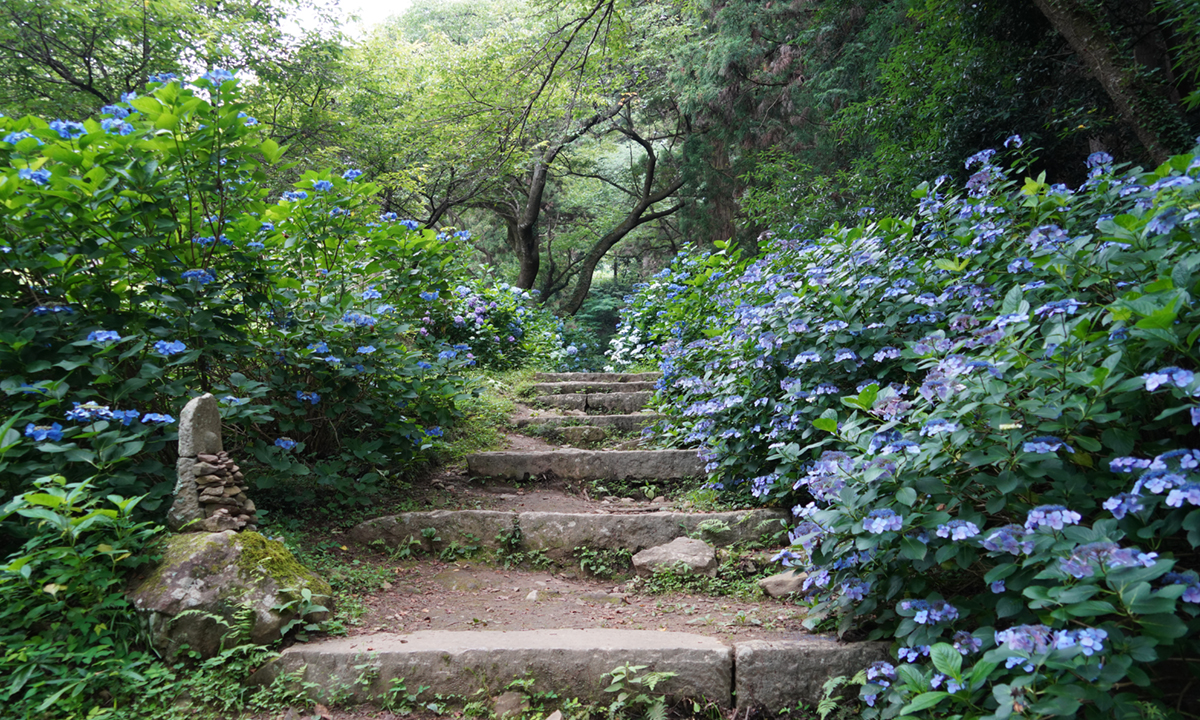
x=270, y=150
x=906, y=496
x=826, y=424
x=1163, y=627
x=924, y=701
x=912, y=548
x=946, y=659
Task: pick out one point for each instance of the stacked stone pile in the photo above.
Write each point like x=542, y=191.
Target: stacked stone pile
x=222, y=493
x=210, y=491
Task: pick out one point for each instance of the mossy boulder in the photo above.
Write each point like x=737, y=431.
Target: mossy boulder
x=209, y=584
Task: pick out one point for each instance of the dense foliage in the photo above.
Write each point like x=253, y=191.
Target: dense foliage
x=983, y=419
x=142, y=262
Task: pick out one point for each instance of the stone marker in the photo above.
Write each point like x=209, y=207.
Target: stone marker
x=210, y=490
x=784, y=583
x=696, y=555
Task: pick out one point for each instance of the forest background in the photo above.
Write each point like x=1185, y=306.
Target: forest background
x=584, y=143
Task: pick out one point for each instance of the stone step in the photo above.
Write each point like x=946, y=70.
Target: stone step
x=561, y=388
x=598, y=402
x=624, y=423
x=754, y=674
x=597, y=377
x=573, y=464
x=559, y=534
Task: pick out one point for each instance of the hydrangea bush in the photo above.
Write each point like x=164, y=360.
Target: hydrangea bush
x=494, y=324
x=984, y=420
x=142, y=262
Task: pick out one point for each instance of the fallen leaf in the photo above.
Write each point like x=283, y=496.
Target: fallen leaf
x=323, y=712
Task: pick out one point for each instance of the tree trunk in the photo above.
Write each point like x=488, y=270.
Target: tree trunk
x=1140, y=104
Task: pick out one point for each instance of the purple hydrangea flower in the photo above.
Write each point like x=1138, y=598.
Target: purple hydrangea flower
x=997, y=587
x=958, y=530
x=1055, y=517
x=938, y=426
x=1122, y=504
x=1012, y=539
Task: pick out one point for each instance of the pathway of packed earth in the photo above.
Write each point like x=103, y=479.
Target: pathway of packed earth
x=449, y=622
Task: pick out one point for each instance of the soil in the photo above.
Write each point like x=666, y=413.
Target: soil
x=470, y=596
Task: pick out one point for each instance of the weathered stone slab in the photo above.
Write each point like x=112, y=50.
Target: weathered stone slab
x=450, y=526
x=185, y=508
x=622, y=402
x=558, y=534
x=571, y=662
x=576, y=464
x=580, y=434
x=681, y=554
x=774, y=674
x=597, y=377
x=566, y=402
x=624, y=423
x=563, y=388
x=215, y=575
x=200, y=427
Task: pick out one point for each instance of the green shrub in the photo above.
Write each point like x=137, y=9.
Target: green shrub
x=984, y=420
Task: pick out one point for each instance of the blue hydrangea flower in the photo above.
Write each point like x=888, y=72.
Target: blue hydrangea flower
x=37, y=177
x=217, y=76
x=351, y=175
x=410, y=224
x=43, y=433
x=322, y=185
x=424, y=365
x=199, y=276
x=89, y=411
x=285, y=443
x=234, y=401
x=883, y=520
x=1122, y=504
x=958, y=530
x=365, y=349
x=886, y=353
x=1099, y=159
x=434, y=431
x=308, y=396
x=930, y=613
x=318, y=347
x=1169, y=375
x=912, y=654
x=1045, y=445
x=113, y=126
x=294, y=195
x=266, y=227
x=360, y=319
x=332, y=360
x=388, y=217
x=371, y=294
x=157, y=418
x=1032, y=639
x=125, y=416
x=1055, y=517
x=1189, y=492
x=997, y=587
x=103, y=336
x=167, y=349
x=1188, y=578
x=1067, y=306
x=429, y=296
x=255, y=245
x=938, y=426
x=15, y=137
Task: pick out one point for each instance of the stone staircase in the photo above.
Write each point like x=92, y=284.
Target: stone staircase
x=750, y=675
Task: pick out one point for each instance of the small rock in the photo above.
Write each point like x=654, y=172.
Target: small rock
x=695, y=555
x=556, y=715
x=659, y=500
x=509, y=705
x=532, y=596
x=206, y=458
x=784, y=583
x=386, y=585
x=627, y=501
